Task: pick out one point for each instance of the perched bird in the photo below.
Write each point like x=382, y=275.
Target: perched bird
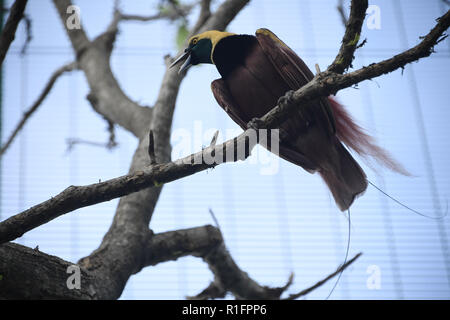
x=256, y=71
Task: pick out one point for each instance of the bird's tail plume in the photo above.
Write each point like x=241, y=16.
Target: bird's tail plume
x=355, y=137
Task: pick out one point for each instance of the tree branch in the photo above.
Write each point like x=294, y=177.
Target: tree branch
x=93, y=59
x=117, y=257
x=322, y=85
x=205, y=13
x=230, y=278
x=171, y=13
x=28, y=34
x=27, y=114
x=327, y=82
x=9, y=30
x=75, y=197
x=223, y=15
x=32, y=274
x=351, y=37
x=207, y=243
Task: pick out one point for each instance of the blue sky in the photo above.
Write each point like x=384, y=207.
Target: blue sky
x=272, y=224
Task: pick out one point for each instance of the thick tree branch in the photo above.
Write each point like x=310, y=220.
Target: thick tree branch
x=45, y=276
x=230, y=278
x=172, y=245
x=27, y=114
x=75, y=197
x=207, y=243
x=93, y=59
x=322, y=85
x=121, y=251
x=30, y=274
x=9, y=30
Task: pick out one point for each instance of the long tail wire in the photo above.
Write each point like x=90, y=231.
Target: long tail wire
x=406, y=207
x=396, y=201
x=346, y=255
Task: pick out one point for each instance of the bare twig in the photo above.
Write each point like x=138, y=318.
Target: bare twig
x=205, y=13
x=317, y=68
x=351, y=37
x=172, y=12
x=364, y=42
x=340, y=8
x=9, y=31
x=112, y=143
x=322, y=85
x=72, y=142
x=134, y=17
x=48, y=87
x=321, y=282
x=213, y=216
x=28, y=33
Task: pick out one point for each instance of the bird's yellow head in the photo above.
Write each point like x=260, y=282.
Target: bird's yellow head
x=200, y=49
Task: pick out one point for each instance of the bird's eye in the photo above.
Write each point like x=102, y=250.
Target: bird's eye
x=194, y=41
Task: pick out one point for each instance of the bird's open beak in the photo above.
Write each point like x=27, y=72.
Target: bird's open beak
x=185, y=56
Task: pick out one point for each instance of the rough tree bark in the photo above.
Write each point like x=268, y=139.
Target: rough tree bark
x=129, y=245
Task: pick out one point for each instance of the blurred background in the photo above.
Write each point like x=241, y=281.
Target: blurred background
x=274, y=222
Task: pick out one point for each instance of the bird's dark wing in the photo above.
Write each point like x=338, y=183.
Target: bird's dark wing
x=290, y=67
x=293, y=70
x=226, y=101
